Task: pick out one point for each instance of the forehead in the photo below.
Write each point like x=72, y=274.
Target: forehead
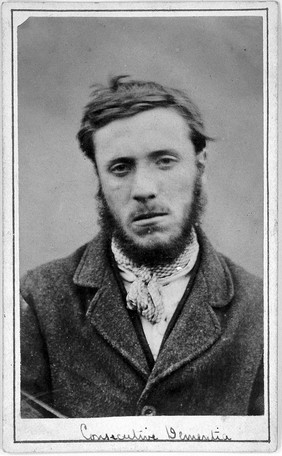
x=159, y=127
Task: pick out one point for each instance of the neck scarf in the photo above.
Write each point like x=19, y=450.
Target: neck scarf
x=144, y=294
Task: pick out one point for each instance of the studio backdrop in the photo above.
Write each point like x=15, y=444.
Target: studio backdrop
x=217, y=60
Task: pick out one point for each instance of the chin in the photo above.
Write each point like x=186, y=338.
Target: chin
x=155, y=239
x=152, y=249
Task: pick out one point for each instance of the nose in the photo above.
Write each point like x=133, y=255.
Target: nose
x=144, y=185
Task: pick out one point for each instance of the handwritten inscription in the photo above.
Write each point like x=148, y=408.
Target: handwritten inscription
x=143, y=435
x=173, y=434
x=131, y=436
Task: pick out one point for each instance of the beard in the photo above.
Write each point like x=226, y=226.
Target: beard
x=153, y=255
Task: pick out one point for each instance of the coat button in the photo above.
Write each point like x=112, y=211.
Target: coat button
x=148, y=410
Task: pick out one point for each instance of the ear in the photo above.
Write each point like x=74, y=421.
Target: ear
x=201, y=160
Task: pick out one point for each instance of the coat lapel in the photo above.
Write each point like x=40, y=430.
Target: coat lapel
x=106, y=310
x=198, y=327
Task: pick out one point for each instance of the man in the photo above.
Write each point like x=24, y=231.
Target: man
x=147, y=319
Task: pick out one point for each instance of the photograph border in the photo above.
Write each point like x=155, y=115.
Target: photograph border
x=11, y=196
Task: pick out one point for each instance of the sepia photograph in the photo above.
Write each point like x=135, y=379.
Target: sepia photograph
x=140, y=308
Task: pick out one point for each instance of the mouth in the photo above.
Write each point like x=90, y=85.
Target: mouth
x=148, y=218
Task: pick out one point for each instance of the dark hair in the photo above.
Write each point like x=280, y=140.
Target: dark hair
x=126, y=99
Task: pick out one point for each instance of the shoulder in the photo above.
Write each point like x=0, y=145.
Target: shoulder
x=243, y=281
x=246, y=307
x=55, y=275
x=225, y=277
x=54, y=269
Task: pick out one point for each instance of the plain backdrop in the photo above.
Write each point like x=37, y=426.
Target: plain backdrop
x=217, y=60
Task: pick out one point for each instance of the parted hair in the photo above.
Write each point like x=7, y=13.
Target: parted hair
x=123, y=99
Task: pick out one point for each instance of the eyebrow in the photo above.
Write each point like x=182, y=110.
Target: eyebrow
x=153, y=153
x=160, y=152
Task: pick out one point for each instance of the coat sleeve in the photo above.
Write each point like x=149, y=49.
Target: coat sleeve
x=35, y=372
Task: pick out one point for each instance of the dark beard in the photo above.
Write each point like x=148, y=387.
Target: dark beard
x=156, y=255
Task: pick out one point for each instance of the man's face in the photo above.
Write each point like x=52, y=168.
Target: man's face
x=147, y=170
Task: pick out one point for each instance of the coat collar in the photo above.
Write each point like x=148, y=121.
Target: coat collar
x=106, y=310
x=215, y=273
x=196, y=329
x=91, y=269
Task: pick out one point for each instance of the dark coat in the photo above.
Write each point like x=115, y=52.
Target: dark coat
x=80, y=350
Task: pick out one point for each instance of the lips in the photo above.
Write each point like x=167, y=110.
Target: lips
x=148, y=215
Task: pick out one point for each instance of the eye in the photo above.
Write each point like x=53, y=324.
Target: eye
x=166, y=162
x=120, y=169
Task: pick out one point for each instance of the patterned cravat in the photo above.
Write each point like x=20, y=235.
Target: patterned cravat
x=145, y=294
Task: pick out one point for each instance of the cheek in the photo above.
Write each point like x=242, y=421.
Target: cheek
x=115, y=190
x=117, y=198
x=179, y=188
